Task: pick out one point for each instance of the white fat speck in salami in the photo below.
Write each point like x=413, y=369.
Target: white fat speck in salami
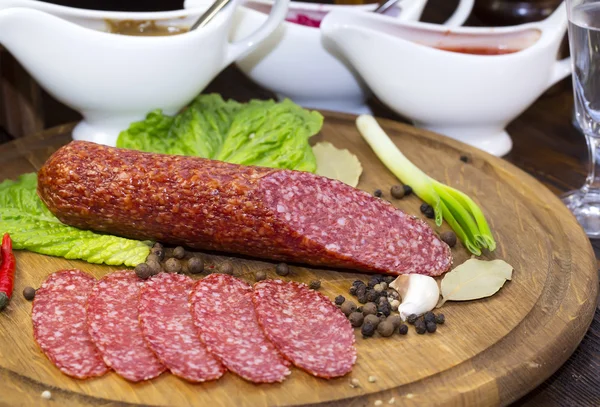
x=59, y=324
x=224, y=315
x=169, y=331
x=112, y=319
x=306, y=327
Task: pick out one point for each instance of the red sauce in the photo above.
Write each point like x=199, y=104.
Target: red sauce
x=479, y=50
x=304, y=20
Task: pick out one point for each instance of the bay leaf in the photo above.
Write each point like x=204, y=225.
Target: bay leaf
x=475, y=279
x=336, y=163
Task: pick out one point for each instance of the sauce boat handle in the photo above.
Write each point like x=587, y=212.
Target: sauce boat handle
x=241, y=48
x=561, y=70
x=460, y=15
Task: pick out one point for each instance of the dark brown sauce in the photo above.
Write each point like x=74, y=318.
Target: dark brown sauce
x=147, y=28
x=479, y=50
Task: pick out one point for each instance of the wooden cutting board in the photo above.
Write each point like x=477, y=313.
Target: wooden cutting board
x=489, y=352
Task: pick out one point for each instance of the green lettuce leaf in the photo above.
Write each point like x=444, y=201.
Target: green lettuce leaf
x=33, y=227
x=261, y=132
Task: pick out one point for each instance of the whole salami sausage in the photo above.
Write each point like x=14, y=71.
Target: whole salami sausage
x=204, y=204
x=59, y=324
x=306, y=327
x=166, y=321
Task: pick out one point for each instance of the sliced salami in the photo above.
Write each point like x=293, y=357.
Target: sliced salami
x=112, y=319
x=306, y=327
x=169, y=331
x=224, y=315
x=59, y=324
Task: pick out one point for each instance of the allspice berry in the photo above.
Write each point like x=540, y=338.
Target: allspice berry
x=348, y=307
x=226, y=268
x=143, y=271
x=282, y=269
x=195, y=265
x=372, y=319
x=369, y=308
x=260, y=275
x=385, y=328
x=179, y=252
x=356, y=319
x=29, y=293
x=173, y=265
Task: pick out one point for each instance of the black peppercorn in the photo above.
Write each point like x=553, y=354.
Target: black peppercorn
x=362, y=298
x=179, y=252
x=373, y=281
x=407, y=190
x=429, y=317
x=367, y=329
x=389, y=279
x=378, y=193
x=412, y=318
x=397, y=191
x=385, y=308
x=348, y=307
x=356, y=319
x=427, y=210
x=431, y=327
x=440, y=319
x=361, y=290
x=315, y=284
x=352, y=290
x=449, y=238
x=403, y=329
x=420, y=327
x=195, y=265
x=372, y=296
x=339, y=300
x=29, y=293
x=282, y=269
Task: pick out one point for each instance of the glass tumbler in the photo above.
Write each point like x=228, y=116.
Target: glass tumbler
x=584, y=43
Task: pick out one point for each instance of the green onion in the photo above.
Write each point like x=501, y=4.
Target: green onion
x=461, y=213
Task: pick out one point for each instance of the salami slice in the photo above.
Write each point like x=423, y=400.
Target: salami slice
x=59, y=324
x=224, y=315
x=169, y=331
x=112, y=319
x=306, y=327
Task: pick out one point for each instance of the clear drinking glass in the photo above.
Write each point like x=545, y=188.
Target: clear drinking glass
x=584, y=42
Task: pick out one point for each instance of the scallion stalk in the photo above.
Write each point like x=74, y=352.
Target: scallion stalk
x=461, y=213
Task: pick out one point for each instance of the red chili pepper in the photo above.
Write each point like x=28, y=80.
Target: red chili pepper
x=7, y=271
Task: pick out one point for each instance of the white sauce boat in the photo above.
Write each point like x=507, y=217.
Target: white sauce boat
x=112, y=79
x=468, y=97
x=294, y=63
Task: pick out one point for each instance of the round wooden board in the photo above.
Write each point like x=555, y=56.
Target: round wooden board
x=490, y=352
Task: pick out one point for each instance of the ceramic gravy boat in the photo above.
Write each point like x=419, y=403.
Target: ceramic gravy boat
x=438, y=77
x=112, y=79
x=294, y=63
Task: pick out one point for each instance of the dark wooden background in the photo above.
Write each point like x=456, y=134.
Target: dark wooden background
x=546, y=145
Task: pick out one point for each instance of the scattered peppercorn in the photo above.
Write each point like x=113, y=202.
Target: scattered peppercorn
x=368, y=329
x=143, y=271
x=339, y=300
x=407, y=190
x=179, y=252
x=385, y=328
x=427, y=210
x=195, y=265
x=449, y=238
x=282, y=269
x=378, y=287
x=378, y=193
x=173, y=265
x=395, y=304
x=420, y=327
x=403, y=329
x=361, y=290
x=353, y=290
x=431, y=327
x=260, y=275
x=440, y=319
x=155, y=267
x=362, y=298
x=159, y=252
x=29, y=293
x=429, y=317
x=348, y=307
x=356, y=319
x=372, y=319
x=464, y=158
x=357, y=283
x=412, y=318
x=369, y=308
x=397, y=191
x=395, y=320
x=152, y=256
x=372, y=296
x=315, y=284
x=226, y=268
x=372, y=282
x=385, y=308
